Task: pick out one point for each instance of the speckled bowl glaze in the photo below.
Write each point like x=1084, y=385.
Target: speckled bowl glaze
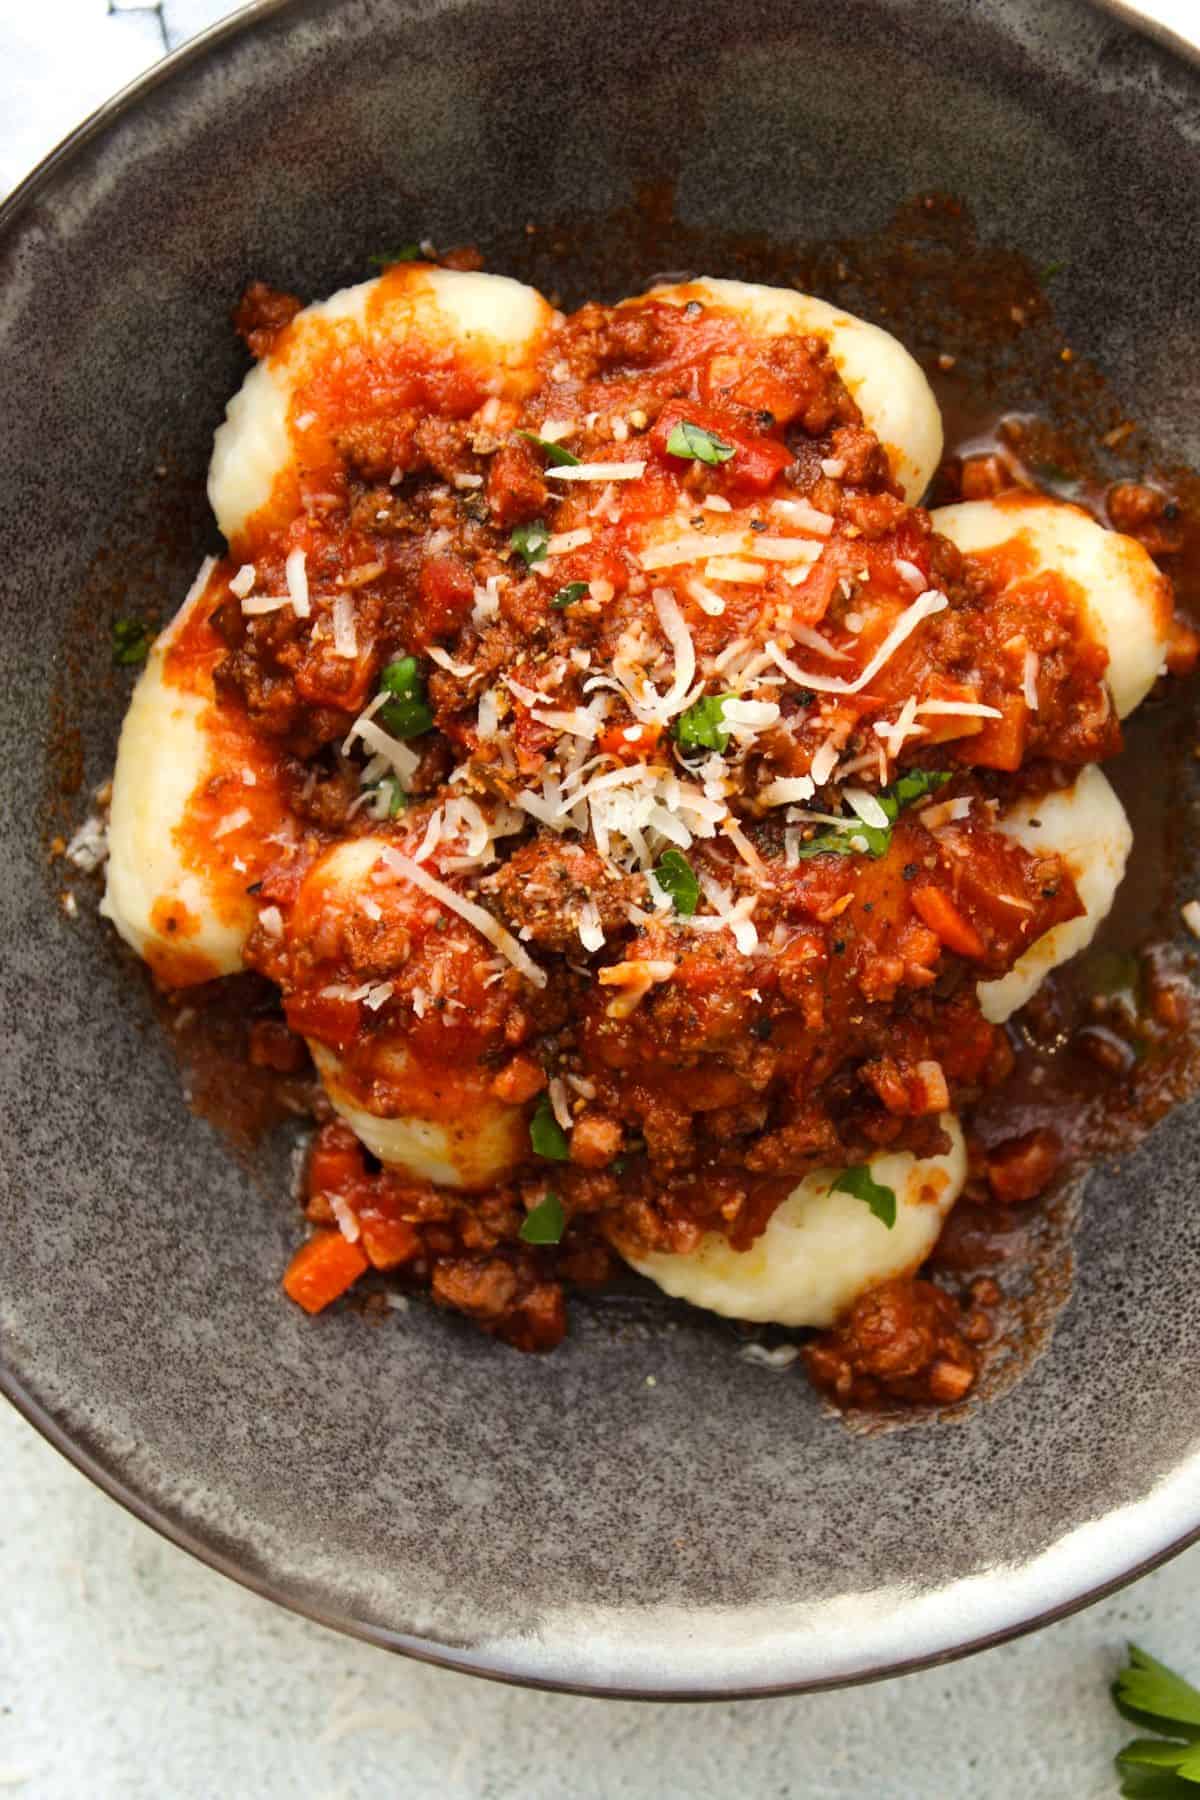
x=565, y=1521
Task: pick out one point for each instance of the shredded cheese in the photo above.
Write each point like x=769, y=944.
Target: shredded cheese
x=488, y=927
x=599, y=471
x=296, y=572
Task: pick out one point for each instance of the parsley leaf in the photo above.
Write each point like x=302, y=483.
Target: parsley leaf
x=547, y=1136
x=567, y=596
x=694, y=444
x=407, y=715
x=875, y=840
x=556, y=456
x=1153, y=1696
x=1051, y=269
x=701, y=727
x=406, y=253
x=530, y=542
x=131, y=641
x=675, y=876
x=546, y=1223
x=860, y=1182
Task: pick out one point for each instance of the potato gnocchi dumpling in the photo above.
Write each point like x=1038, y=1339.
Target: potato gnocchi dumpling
x=1087, y=825
x=1127, y=598
x=822, y=1247
x=893, y=395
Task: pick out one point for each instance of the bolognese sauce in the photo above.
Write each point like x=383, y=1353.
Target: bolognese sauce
x=620, y=763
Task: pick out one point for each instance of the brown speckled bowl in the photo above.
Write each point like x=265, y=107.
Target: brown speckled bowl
x=561, y=1520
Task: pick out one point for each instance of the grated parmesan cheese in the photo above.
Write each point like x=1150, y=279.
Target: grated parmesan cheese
x=296, y=572
x=484, y=923
x=599, y=471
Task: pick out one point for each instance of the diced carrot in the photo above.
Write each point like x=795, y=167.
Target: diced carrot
x=387, y=1242
x=938, y=911
x=322, y=1269
x=1001, y=743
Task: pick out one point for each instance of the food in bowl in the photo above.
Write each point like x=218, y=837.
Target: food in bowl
x=649, y=816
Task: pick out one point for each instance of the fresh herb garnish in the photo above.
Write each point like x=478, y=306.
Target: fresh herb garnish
x=131, y=641
x=675, y=876
x=855, y=837
x=1052, y=268
x=530, y=541
x=1153, y=1697
x=694, y=444
x=546, y=1223
x=556, y=456
x=406, y=253
x=567, y=596
x=547, y=1136
x=701, y=726
x=407, y=714
x=860, y=1182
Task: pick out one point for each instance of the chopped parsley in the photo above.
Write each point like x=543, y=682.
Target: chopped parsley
x=701, y=727
x=547, y=1136
x=530, y=541
x=1153, y=1697
x=546, y=1223
x=385, y=258
x=855, y=837
x=675, y=876
x=1051, y=269
x=407, y=714
x=859, y=1181
x=131, y=641
x=555, y=455
x=567, y=596
x=694, y=444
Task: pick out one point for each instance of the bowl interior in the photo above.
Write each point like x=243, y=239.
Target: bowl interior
x=643, y=1510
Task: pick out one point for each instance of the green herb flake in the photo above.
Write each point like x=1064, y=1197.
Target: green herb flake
x=406, y=714
x=546, y=1223
x=547, y=1136
x=385, y=258
x=392, y=795
x=694, y=444
x=567, y=596
x=131, y=641
x=856, y=838
x=675, y=876
x=701, y=727
x=530, y=541
x=555, y=455
x=1051, y=269
x=860, y=1182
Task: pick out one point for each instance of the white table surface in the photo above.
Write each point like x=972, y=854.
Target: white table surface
x=127, y=1669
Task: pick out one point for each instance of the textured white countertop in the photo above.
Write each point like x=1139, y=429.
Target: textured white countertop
x=127, y=1669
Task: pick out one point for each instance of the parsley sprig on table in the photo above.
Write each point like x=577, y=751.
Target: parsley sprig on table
x=1153, y=1697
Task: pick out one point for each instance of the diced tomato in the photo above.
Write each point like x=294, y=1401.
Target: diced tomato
x=388, y=1242
x=613, y=742
x=447, y=594
x=331, y=1021
x=335, y=1161
x=943, y=918
x=757, y=461
x=322, y=1269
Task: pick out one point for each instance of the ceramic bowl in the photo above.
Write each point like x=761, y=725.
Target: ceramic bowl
x=644, y=1512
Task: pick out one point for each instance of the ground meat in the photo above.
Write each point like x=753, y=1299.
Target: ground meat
x=1147, y=514
x=545, y=884
x=506, y=1296
x=903, y=1340
x=595, y=1140
x=261, y=314
x=516, y=492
